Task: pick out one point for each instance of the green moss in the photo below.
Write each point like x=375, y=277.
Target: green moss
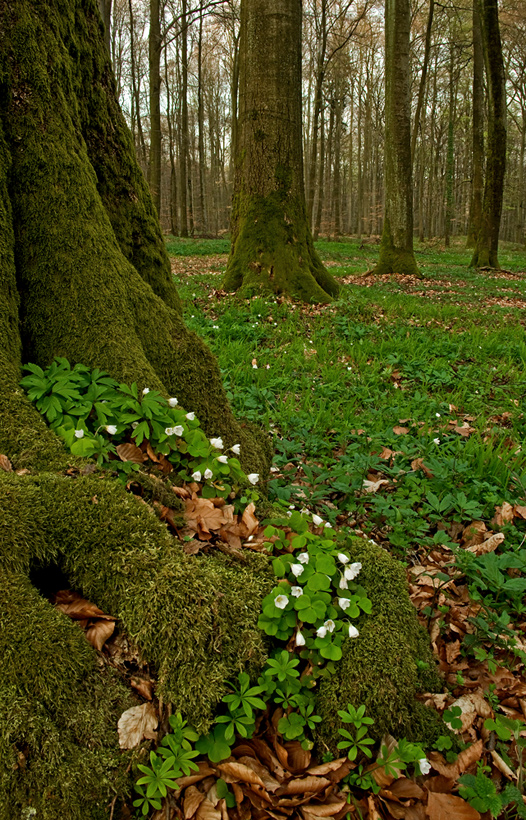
x=58, y=714
x=193, y=617
x=379, y=667
x=272, y=249
x=395, y=259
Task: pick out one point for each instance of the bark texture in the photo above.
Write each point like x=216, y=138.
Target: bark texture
x=487, y=245
x=396, y=248
x=272, y=246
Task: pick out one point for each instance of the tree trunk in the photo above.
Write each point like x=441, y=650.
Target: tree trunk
x=154, y=64
x=105, y=13
x=272, y=246
x=396, y=248
x=183, y=130
x=486, y=249
x=477, y=185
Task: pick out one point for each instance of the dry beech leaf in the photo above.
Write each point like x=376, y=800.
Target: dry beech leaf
x=207, y=811
x=374, y=486
x=143, y=687
x=99, y=633
x=503, y=515
x=305, y=784
x=519, y=511
x=325, y=768
x=418, y=464
x=196, y=777
x=490, y=545
x=192, y=800
x=440, y=784
x=5, y=464
x=135, y=724
x=270, y=783
x=75, y=606
x=130, y=452
x=400, y=431
x=448, y=806
x=404, y=788
x=298, y=758
x=502, y=766
x=322, y=809
x=238, y=771
x=463, y=761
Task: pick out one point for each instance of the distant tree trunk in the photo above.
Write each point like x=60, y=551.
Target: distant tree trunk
x=136, y=104
x=154, y=63
x=396, y=248
x=423, y=78
x=183, y=130
x=171, y=150
x=477, y=184
x=317, y=113
x=201, y=128
x=272, y=246
x=321, y=181
x=486, y=249
x=105, y=13
x=450, y=156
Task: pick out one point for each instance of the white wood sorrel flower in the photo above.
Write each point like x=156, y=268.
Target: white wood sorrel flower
x=321, y=631
x=236, y=449
x=217, y=443
x=344, y=603
x=169, y=431
x=173, y=402
x=329, y=625
x=111, y=429
x=208, y=474
x=353, y=632
x=190, y=416
x=297, y=569
x=303, y=557
x=281, y=601
x=222, y=459
x=352, y=571
x=296, y=591
x=253, y=478
x=317, y=520
x=343, y=558
x=79, y=433
x=300, y=640
x=425, y=765
x=145, y=391
x=179, y=430
x=197, y=475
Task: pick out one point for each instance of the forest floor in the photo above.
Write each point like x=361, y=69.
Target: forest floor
x=398, y=411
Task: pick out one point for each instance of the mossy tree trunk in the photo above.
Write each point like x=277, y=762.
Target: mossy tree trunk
x=272, y=247
x=396, y=247
x=487, y=243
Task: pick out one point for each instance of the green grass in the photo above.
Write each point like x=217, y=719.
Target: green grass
x=333, y=382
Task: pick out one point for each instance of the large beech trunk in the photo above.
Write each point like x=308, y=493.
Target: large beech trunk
x=396, y=248
x=272, y=247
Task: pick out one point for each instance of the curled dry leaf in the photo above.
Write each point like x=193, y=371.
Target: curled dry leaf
x=463, y=761
x=207, y=811
x=418, y=464
x=503, y=515
x=143, y=687
x=490, y=545
x=313, y=810
x=5, y=464
x=300, y=785
x=502, y=766
x=192, y=800
x=129, y=452
x=75, y=606
x=325, y=768
x=135, y=724
x=99, y=632
x=235, y=772
x=374, y=486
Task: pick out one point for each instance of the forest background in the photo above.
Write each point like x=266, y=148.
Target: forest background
x=343, y=109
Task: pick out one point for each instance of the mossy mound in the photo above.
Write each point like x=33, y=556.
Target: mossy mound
x=379, y=668
x=194, y=619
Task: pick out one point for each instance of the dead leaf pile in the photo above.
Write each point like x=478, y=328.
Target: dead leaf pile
x=97, y=626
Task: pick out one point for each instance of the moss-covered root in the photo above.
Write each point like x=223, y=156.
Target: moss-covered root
x=195, y=619
x=379, y=668
x=59, y=749
x=272, y=250
x=396, y=257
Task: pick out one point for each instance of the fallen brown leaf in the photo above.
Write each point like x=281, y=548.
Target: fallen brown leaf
x=400, y=431
x=448, y=806
x=233, y=771
x=135, y=724
x=490, y=545
x=99, y=632
x=207, y=811
x=129, y=452
x=192, y=800
x=5, y=464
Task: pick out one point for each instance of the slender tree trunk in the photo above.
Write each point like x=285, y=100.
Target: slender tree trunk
x=154, y=62
x=202, y=221
x=396, y=249
x=477, y=184
x=321, y=181
x=272, y=246
x=486, y=249
x=317, y=113
x=450, y=157
x=171, y=150
x=183, y=131
x=135, y=90
x=423, y=78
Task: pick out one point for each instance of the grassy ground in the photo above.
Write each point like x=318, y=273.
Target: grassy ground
x=398, y=409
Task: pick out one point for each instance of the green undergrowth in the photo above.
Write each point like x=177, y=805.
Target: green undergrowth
x=395, y=371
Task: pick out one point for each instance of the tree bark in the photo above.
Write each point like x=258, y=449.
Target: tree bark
x=272, y=246
x=477, y=132
x=396, y=248
x=154, y=63
x=486, y=249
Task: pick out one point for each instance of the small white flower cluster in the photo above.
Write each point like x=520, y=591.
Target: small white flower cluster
x=174, y=431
